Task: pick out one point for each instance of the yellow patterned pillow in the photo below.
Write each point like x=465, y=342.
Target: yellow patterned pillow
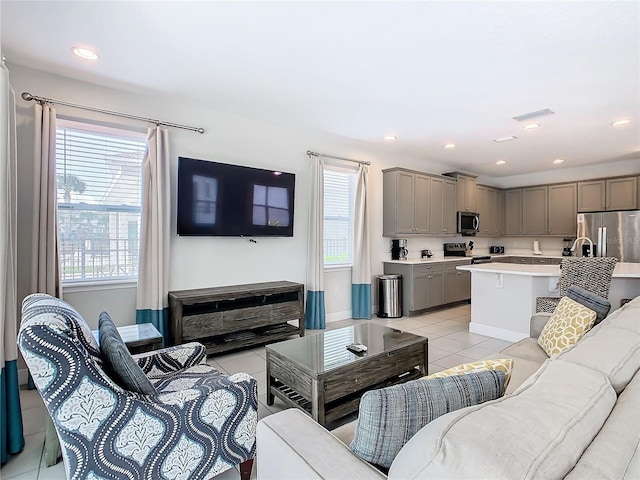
x=568, y=323
x=503, y=364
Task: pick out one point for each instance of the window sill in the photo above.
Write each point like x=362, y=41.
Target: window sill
x=96, y=285
x=337, y=268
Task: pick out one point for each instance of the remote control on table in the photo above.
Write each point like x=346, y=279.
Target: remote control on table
x=357, y=348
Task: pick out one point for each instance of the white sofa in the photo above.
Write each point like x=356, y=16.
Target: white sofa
x=576, y=416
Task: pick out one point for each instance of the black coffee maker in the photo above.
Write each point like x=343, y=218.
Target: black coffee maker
x=566, y=250
x=399, y=249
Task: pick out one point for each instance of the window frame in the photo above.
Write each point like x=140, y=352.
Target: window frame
x=98, y=283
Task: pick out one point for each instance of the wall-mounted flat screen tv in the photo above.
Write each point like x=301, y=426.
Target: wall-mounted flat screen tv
x=220, y=199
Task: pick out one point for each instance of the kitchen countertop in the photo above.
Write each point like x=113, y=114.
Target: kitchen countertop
x=419, y=261
x=622, y=270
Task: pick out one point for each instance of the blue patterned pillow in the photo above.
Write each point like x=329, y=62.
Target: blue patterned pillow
x=118, y=362
x=390, y=416
x=590, y=300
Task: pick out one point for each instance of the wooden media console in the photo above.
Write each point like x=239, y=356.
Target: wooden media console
x=238, y=316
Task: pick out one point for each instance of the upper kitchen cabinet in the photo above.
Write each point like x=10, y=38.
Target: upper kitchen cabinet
x=442, y=206
x=466, y=191
x=489, y=206
x=405, y=202
x=608, y=194
x=513, y=212
x=535, y=204
x=563, y=209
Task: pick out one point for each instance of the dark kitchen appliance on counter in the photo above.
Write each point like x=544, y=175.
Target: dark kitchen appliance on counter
x=426, y=254
x=399, y=249
x=475, y=260
x=496, y=249
x=566, y=250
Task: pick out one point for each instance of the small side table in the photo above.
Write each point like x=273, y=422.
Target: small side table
x=139, y=338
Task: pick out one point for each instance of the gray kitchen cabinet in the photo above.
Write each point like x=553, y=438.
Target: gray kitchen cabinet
x=522, y=260
x=405, y=202
x=563, y=208
x=513, y=212
x=442, y=214
x=488, y=201
x=457, y=283
x=465, y=191
x=619, y=193
x=534, y=210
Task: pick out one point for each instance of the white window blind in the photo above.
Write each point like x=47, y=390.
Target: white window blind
x=99, y=193
x=339, y=197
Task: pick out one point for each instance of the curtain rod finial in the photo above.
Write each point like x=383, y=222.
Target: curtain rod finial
x=200, y=130
x=27, y=96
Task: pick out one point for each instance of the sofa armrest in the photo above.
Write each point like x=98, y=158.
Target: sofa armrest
x=158, y=363
x=537, y=323
x=291, y=446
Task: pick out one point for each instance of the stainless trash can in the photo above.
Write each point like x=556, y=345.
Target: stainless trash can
x=389, y=296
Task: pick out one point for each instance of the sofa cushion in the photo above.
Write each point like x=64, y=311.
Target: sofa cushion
x=590, y=300
x=534, y=432
x=528, y=349
x=505, y=365
x=609, y=349
x=390, y=416
x=569, y=322
x=618, y=438
x=118, y=362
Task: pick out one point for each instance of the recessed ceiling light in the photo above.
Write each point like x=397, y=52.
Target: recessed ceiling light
x=505, y=139
x=621, y=122
x=85, y=53
x=390, y=138
x=558, y=161
x=501, y=162
x=531, y=126
x=450, y=146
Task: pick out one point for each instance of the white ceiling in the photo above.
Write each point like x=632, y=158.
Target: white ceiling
x=429, y=72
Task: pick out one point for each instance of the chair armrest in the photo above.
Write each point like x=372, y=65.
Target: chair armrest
x=537, y=323
x=292, y=446
x=158, y=363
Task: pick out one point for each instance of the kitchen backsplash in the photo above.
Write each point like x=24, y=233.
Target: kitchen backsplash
x=512, y=245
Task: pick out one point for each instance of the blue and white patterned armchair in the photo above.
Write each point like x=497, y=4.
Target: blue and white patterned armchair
x=200, y=423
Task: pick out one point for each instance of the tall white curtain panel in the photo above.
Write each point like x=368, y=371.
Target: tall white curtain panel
x=152, y=301
x=315, y=317
x=361, y=270
x=45, y=267
x=11, y=434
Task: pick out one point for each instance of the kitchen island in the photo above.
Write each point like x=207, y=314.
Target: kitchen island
x=503, y=295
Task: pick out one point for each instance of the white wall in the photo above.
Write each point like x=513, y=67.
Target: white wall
x=212, y=261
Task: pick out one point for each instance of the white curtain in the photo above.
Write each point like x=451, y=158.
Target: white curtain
x=315, y=311
x=153, y=271
x=361, y=271
x=45, y=267
x=11, y=437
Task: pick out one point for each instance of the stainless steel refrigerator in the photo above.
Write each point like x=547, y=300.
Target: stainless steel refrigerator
x=614, y=234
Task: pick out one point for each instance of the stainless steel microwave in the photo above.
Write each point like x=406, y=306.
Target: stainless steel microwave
x=468, y=223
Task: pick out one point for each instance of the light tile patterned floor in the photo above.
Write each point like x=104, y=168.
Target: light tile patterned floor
x=450, y=344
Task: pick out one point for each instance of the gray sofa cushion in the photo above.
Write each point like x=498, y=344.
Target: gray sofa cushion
x=590, y=300
x=536, y=432
x=118, y=362
x=390, y=416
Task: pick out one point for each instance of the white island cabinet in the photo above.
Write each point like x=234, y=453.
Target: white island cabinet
x=503, y=295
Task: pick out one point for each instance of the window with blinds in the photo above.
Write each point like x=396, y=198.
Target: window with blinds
x=339, y=198
x=99, y=193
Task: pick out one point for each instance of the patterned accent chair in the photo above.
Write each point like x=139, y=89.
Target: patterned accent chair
x=200, y=423
x=591, y=273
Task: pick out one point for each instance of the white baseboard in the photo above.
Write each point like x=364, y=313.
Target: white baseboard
x=501, y=333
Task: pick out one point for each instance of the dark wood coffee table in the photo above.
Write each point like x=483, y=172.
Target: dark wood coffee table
x=320, y=376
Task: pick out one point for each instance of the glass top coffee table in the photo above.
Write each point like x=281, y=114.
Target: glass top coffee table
x=319, y=375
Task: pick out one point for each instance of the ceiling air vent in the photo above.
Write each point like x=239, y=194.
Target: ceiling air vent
x=530, y=115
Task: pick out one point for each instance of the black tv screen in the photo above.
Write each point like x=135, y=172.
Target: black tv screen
x=220, y=199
